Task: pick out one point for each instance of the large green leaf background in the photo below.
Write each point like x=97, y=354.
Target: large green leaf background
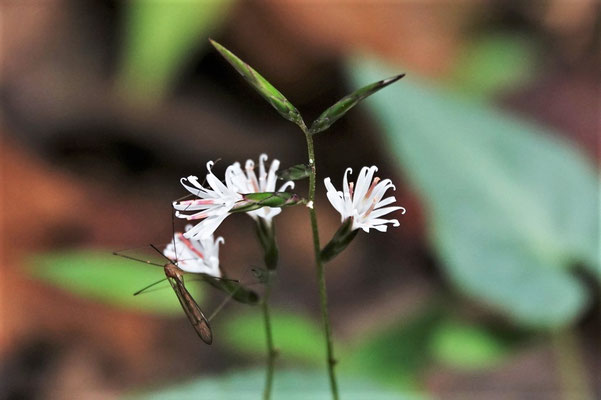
x=511, y=206
x=290, y=384
x=98, y=275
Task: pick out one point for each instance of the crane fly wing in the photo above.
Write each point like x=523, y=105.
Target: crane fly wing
x=192, y=310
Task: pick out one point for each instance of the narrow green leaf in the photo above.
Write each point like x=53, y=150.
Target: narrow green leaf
x=294, y=173
x=254, y=201
x=100, y=276
x=262, y=86
x=332, y=114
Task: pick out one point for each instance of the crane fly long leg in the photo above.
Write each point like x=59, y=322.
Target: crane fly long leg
x=223, y=303
x=192, y=310
x=148, y=287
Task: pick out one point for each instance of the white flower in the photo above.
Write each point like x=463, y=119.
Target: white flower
x=212, y=205
x=363, y=202
x=215, y=202
x=247, y=182
x=195, y=256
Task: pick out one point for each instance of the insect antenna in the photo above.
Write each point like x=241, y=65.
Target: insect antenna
x=173, y=236
x=116, y=253
x=161, y=253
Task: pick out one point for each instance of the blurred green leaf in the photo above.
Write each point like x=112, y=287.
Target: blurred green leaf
x=296, y=337
x=511, y=205
x=396, y=354
x=103, y=277
x=160, y=36
x=289, y=385
x=342, y=106
x=492, y=63
x=466, y=347
x=294, y=173
x=262, y=86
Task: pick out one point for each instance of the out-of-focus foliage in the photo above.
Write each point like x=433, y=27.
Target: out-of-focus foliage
x=396, y=354
x=289, y=384
x=103, y=277
x=511, y=206
x=295, y=336
x=466, y=347
x=159, y=38
x=493, y=63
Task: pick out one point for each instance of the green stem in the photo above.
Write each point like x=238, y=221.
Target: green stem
x=331, y=361
x=271, y=352
x=571, y=366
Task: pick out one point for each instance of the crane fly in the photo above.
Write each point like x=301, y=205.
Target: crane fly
x=199, y=257
x=175, y=275
x=199, y=322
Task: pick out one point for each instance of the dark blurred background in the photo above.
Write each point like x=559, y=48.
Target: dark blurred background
x=490, y=286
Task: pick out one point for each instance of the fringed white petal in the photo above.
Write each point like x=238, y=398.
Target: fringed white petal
x=363, y=201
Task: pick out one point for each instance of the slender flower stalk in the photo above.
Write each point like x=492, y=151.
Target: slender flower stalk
x=271, y=351
x=266, y=236
x=247, y=181
x=323, y=295
x=365, y=217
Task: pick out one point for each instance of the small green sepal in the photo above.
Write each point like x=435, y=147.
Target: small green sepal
x=294, y=173
x=254, y=201
x=341, y=239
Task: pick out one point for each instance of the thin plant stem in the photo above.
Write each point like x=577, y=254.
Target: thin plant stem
x=571, y=366
x=271, y=352
x=331, y=361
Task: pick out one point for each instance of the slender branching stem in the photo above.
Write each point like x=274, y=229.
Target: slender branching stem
x=271, y=352
x=331, y=361
x=571, y=366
